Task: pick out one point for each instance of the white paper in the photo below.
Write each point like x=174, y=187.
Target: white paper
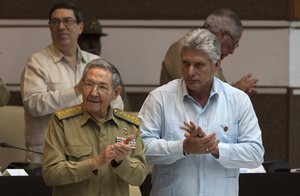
x=259, y=169
x=295, y=170
x=15, y=172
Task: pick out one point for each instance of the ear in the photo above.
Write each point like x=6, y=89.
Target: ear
x=117, y=92
x=81, y=26
x=217, y=66
x=222, y=32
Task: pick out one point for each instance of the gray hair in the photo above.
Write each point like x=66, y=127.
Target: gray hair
x=102, y=64
x=204, y=40
x=224, y=19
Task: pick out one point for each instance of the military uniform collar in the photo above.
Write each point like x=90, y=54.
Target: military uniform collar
x=87, y=116
x=114, y=115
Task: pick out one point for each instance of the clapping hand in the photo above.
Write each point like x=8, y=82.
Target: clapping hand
x=122, y=149
x=246, y=84
x=197, y=141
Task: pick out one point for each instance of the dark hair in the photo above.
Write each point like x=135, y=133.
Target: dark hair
x=67, y=5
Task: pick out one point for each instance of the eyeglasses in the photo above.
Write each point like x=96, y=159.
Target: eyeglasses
x=66, y=21
x=101, y=89
x=235, y=45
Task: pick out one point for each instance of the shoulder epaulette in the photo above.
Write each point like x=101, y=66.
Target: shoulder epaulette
x=69, y=112
x=126, y=116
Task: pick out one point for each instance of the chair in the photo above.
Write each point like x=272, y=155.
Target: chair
x=12, y=127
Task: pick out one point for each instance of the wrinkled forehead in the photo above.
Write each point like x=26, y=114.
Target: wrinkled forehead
x=98, y=73
x=193, y=55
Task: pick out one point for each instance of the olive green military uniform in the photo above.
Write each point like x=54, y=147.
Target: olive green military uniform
x=4, y=93
x=171, y=65
x=73, y=138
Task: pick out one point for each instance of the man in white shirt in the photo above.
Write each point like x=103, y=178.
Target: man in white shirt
x=198, y=130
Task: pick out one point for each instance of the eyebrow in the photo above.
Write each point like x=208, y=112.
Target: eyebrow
x=102, y=83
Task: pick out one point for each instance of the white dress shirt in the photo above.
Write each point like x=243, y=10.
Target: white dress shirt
x=228, y=112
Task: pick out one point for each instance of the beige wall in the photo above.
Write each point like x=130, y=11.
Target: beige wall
x=138, y=47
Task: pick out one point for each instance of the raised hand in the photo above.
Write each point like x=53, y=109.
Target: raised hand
x=246, y=84
x=122, y=149
x=104, y=158
x=197, y=141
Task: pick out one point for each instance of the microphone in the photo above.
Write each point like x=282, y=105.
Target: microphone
x=5, y=145
x=33, y=169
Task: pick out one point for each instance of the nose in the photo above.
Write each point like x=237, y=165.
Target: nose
x=191, y=70
x=94, y=91
x=61, y=25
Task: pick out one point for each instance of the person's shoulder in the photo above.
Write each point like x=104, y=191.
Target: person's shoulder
x=41, y=51
x=69, y=112
x=89, y=56
x=168, y=91
x=170, y=86
x=175, y=47
x=229, y=90
x=45, y=54
x=130, y=118
x=177, y=43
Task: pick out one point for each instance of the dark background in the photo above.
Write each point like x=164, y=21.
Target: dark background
x=152, y=9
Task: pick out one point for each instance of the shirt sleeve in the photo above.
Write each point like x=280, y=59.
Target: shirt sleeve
x=38, y=99
x=248, y=151
x=158, y=150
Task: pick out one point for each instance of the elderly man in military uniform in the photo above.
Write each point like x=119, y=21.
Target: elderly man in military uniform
x=92, y=148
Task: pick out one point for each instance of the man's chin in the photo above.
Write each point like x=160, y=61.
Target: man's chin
x=92, y=109
x=191, y=83
x=192, y=86
x=92, y=105
x=62, y=42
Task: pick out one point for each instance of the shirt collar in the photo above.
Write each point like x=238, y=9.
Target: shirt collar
x=184, y=89
x=58, y=55
x=213, y=92
x=215, y=88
